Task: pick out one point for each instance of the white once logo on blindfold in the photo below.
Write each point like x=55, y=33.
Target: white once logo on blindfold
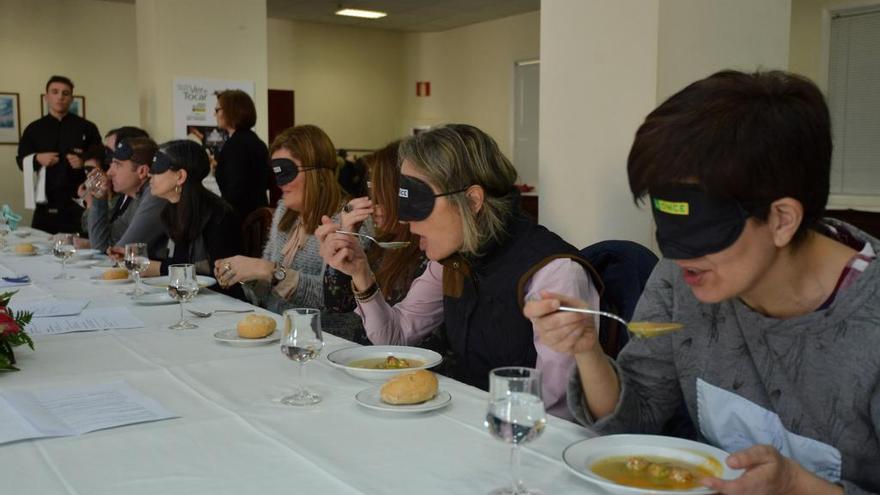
x=277, y=169
x=403, y=193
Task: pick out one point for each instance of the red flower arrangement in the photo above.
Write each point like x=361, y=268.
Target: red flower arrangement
x=11, y=332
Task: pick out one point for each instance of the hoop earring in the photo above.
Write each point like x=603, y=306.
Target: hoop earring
x=177, y=189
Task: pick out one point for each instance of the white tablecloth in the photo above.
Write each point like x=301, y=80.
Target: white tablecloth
x=232, y=435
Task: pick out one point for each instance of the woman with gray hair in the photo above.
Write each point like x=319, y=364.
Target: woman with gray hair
x=486, y=259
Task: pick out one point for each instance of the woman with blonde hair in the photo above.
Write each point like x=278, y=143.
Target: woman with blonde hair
x=290, y=273
x=486, y=258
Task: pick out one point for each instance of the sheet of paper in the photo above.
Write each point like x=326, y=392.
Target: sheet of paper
x=89, y=319
x=74, y=410
x=51, y=307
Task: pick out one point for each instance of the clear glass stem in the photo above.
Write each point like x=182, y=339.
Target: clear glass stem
x=137, y=284
x=181, y=311
x=63, y=267
x=517, y=486
x=300, y=383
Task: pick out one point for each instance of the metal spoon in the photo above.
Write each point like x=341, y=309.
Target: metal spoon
x=383, y=245
x=202, y=314
x=642, y=329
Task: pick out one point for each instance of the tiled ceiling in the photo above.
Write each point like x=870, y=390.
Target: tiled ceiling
x=403, y=15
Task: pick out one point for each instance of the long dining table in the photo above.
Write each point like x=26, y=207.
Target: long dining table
x=232, y=435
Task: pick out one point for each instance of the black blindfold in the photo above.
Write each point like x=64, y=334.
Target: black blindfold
x=416, y=199
x=286, y=170
x=161, y=163
x=690, y=224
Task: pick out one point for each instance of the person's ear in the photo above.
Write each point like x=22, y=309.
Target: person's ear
x=143, y=172
x=181, y=177
x=476, y=196
x=784, y=219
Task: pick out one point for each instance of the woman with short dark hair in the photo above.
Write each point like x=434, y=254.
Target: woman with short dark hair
x=242, y=171
x=777, y=361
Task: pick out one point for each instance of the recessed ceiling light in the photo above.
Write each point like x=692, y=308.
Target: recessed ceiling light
x=366, y=14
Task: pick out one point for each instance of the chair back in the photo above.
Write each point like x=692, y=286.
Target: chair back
x=255, y=231
x=624, y=267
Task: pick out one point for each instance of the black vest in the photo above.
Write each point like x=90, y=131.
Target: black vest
x=484, y=324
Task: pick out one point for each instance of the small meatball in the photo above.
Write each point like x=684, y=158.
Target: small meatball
x=680, y=475
x=637, y=464
x=658, y=471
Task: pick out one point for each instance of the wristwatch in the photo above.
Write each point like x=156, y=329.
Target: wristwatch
x=279, y=273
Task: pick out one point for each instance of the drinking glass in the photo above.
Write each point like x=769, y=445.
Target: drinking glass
x=516, y=416
x=95, y=183
x=63, y=248
x=136, y=261
x=301, y=341
x=182, y=286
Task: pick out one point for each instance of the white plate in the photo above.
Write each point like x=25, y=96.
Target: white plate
x=104, y=261
x=154, y=299
x=342, y=357
x=22, y=232
x=231, y=337
x=580, y=456
x=99, y=279
x=204, y=281
x=372, y=399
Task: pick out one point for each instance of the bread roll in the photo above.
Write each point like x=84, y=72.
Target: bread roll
x=409, y=387
x=255, y=326
x=25, y=248
x=115, y=274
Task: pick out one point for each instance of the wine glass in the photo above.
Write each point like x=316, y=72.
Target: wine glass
x=63, y=248
x=301, y=341
x=516, y=416
x=136, y=261
x=182, y=286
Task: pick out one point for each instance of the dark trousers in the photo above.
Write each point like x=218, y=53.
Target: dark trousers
x=54, y=218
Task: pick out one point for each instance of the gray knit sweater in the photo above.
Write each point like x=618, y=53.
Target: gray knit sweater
x=810, y=385
x=309, y=292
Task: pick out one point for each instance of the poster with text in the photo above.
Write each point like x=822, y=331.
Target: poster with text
x=194, y=103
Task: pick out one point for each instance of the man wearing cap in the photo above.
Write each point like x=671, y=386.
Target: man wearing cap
x=135, y=216
x=57, y=145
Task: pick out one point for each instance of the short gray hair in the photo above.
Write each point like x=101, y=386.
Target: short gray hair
x=457, y=156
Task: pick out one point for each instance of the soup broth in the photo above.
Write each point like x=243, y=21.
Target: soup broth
x=658, y=473
x=386, y=363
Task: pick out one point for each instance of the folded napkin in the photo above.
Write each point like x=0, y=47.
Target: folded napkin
x=9, y=217
x=33, y=193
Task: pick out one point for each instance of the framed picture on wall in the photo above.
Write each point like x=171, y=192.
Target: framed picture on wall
x=77, y=107
x=10, y=118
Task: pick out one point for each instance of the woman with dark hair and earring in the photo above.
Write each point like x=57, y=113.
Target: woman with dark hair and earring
x=243, y=163
x=291, y=271
x=200, y=225
x=395, y=269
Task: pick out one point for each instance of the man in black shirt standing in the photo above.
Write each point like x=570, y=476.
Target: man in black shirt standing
x=61, y=142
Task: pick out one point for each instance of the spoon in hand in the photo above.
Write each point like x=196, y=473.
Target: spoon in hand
x=383, y=245
x=642, y=329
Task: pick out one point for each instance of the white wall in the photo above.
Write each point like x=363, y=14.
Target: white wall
x=74, y=38
x=212, y=39
x=348, y=81
x=598, y=81
x=471, y=74
x=700, y=37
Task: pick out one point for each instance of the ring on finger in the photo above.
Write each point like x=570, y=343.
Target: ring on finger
x=348, y=208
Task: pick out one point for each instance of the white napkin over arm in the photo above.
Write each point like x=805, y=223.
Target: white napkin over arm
x=34, y=193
